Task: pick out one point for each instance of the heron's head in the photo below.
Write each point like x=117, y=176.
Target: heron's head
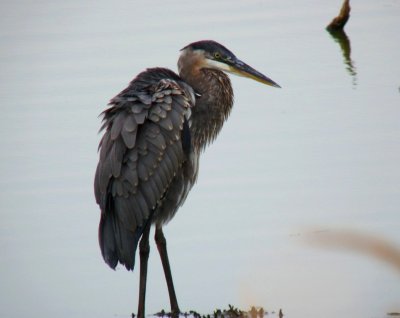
x=212, y=55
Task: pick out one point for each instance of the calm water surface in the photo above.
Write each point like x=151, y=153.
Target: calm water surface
x=323, y=152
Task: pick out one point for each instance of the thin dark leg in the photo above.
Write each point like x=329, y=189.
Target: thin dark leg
x=144, y=251
x=162, y=249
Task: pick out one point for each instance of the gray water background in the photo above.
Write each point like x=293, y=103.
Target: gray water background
x=322, y=152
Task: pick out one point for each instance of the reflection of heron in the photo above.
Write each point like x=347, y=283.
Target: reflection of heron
x=155, y=131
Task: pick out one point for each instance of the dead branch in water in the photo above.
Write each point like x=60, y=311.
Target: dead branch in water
x=340, y=21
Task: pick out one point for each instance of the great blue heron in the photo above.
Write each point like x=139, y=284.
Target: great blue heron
x=155, y=130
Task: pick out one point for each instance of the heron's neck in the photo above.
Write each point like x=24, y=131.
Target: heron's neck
x=212, y=107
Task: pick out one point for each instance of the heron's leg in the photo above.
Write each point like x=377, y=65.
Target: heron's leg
x=144, y=251
x=162, y=249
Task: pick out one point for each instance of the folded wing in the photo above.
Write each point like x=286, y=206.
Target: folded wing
x=140, y=153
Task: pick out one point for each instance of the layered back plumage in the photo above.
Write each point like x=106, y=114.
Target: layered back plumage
x=140, y=154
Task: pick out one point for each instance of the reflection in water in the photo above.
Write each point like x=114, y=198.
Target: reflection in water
x=341, y=37
x=335, y=28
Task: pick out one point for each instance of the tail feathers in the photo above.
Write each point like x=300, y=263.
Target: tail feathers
x=117, y=243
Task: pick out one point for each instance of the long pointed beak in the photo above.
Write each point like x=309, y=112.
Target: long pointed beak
x=240, y=68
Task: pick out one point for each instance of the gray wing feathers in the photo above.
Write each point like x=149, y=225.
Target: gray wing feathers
x=140, y=153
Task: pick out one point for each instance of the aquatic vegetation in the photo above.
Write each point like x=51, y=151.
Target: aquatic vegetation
x=230, y=312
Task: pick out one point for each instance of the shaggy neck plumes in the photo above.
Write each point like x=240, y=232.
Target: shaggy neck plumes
x=214, y=103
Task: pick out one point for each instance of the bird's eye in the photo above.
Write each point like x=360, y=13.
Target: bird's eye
x=217, y=55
